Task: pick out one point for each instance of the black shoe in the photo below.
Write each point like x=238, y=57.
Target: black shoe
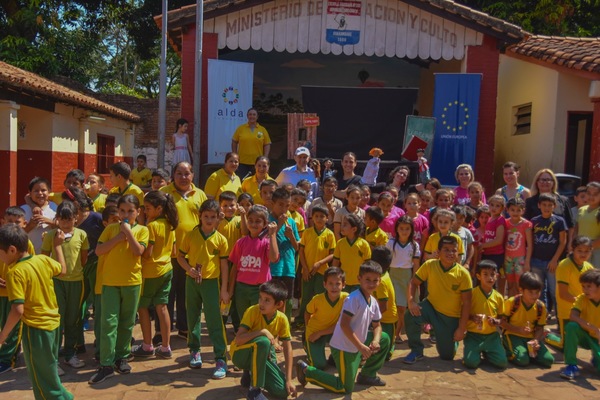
x=300, y=372
x=157, y=339
x=132, y=340
x=246, y=379
x=331, y=361
x=122, y=366
x=102, y=373
x=369, y=380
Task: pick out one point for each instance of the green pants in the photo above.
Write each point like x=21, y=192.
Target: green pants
x=89, y=282
x=69, y=296
x=97, y=324
x=316, y=350
x=576, y=336
x=245, y=297
x=40, y=349
x=489, y=344
x=310, y=288
x=258, y=357
x=205, y=295
x=517, y=353
x=347, y=366
x=390, y=329
x=557, y=340
x=233, y=313
x=443, y=325
x=10, y=349
x=119, y=306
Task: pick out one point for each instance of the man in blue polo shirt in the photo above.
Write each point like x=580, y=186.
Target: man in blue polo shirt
x=300, y=171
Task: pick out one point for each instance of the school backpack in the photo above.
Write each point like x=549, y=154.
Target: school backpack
x=517, y=303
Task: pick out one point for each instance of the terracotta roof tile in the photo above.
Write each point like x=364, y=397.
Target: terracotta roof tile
x=571, y=52
x=19, y=79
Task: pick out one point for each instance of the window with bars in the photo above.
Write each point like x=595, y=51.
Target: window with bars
x=522, y=119
x=106, y=153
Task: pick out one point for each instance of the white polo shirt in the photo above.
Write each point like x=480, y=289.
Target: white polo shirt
x=363, y=313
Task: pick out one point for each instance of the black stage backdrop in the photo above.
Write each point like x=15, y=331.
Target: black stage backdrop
x=358, y=119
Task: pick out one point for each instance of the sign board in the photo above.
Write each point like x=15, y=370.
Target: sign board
x=421, y=127
x=343, y=21
x=311, y=121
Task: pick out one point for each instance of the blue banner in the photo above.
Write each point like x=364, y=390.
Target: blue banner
x=456, y=109
x=229, y=98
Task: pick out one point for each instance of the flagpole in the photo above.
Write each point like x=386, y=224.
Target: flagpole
x=162, y=90
x=198, y=88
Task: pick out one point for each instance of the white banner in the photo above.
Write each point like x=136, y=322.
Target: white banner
x=229, y=97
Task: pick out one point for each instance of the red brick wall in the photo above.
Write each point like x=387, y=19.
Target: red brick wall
x=8, y=183
x=188, y=50
x=485, y=59
x=88, y=163
x=595, y=151
x=62, y=163
x=32, y=163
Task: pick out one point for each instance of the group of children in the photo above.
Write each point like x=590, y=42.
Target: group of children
x=359, y=267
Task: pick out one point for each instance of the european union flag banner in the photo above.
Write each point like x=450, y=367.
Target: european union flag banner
x=456, y=109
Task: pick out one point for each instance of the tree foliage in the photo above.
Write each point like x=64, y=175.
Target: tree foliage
x=546, y=17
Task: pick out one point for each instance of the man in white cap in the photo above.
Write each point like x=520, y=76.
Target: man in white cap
x=301, y=170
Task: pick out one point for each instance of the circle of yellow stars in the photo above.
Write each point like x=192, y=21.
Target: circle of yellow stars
x=465, y=109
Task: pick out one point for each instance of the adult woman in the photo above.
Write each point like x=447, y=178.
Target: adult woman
x=250, y=140
x=225, y=178
x=252, y=183
x=464, y=175
x=188, y=199
x=399, y=179
x=348, y=177
x=512, y=189
x=433, y=185
x=545, y=182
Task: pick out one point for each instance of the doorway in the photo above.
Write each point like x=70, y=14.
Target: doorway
x=578, y=146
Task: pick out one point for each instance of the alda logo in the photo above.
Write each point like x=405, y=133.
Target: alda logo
x=231, y=97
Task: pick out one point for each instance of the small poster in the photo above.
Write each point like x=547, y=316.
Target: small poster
x=343, y=22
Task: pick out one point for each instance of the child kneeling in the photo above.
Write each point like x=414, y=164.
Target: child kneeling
x=583, y=330
x=253, y=348
x=523, y=328
x=351, y=340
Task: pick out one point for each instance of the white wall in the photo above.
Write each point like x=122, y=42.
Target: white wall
x=38, y=133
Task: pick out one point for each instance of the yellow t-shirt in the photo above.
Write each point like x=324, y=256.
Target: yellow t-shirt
x=162, y=237
x=29, y=282
x=298, y=219
x=71, y=248
x=121, y=267
x=232, y=231
x=254, y=321
x=491, y=304
x=323, y=312
x=351, y=256
x=587, y=223
x=568, y=273
x=251, y=142
x=376, y=237
x=432, y=243
x=525, y=314
x=317, y=246
x=141, y=178
x=206, y=251
x=220, y=182
x=4, y=268
x=187, y=209
x=250, y=185
x=99, y=202
x=385, y=292
x=130, y=189
x=55, y=197
x=445, y=286
x=588, y=311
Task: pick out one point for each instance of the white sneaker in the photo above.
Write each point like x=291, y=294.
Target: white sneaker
x=60, y=371
x=75, y=362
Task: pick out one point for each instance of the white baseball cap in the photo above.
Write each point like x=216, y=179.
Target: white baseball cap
x=302, y=150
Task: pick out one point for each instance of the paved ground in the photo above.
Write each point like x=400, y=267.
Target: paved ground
x=430, y=378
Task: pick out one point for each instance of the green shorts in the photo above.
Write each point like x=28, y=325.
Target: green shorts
x=400, y=279
x=156, y=290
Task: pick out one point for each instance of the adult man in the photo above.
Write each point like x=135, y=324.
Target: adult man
x=301, y=170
